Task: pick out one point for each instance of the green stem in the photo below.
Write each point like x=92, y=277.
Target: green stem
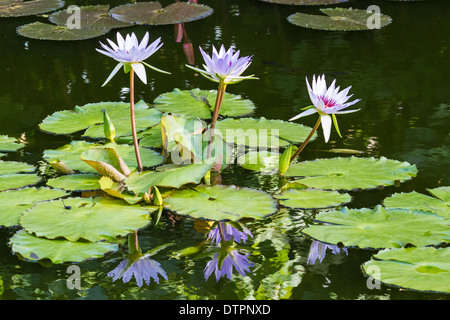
x=303, y=145
x=133, y=122
x=215, y=116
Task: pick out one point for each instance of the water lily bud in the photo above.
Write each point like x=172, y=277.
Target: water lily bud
x=157, y=198
x=108, y=127
x=285, y=159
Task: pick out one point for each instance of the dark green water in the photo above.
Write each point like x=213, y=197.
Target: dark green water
x=400, y=72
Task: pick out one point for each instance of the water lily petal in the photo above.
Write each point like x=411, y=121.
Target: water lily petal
x=140, y=71
x=326, y=125
x=304, y=113
x=115, y=70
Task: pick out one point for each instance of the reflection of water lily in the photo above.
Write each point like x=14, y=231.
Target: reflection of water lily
x=233, y=259
x=229, y=232
x=318, y=251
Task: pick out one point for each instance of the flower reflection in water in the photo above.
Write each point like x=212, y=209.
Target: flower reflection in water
x=318, y=250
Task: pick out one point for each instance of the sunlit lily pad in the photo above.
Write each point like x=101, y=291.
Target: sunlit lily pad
x=198, y=103
x=305, y=2
x=76, y=182
x=90, y=117
x=152, y=13
x=46, y=31
x=379, y=228
x=264, y=161
x=338, y=19
x=312, y=198
x=220, y=202
x=351, y=173
x=8, y=144
x=19, y=8
x=33, y=248
x=15, y=175
x=71, y=153
x=422, y=269
x=95, y=17
x=91, y=219
x=262, y=133
x=14, y=203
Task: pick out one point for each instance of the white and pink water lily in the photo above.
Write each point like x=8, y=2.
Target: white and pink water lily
x=224, y=65
x=131, y=54
x=327, y=102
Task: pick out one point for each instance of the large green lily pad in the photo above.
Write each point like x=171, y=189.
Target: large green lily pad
x=14, y=203
x=46, y=31
x=8, y=144
x=14, y=175
x=198, y=103
x=264, y=161
x=90, y=117
x=76, y=182
x=379, y=228
x=351, y=173
x=423, y=269
x=91, y=219
x=338, y=19
x=312, y=198
x=35, y=248
x=152, y=13
x=219, y=202
x=262, y=133
x=20, y=8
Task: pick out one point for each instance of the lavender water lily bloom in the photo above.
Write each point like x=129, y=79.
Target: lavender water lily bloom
x=130, y=53
x=327, y=102
x=229, y=232
x=233, y=259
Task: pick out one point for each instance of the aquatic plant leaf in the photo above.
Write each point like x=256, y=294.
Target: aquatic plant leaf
x=442, y=193
x=423, y=269
x=14, y=203
x=305, y=2
x=10, y=167
x=261, y=133
x=198, y=103
x=116, y=190
x=45, y=31
x=152, y=13
x=339, y=19
x=70, y=154
x=219, y=202
x=91, y=219
x=14, y=175
x=34, y=248
x=76, y=182
x=91, y=17
x=20, y=8
x=90, y=118
x=151, y=138
x=8, y=144
x=312, y=198
x=351, y=173
x=379, y=228
x=107, y=162
x=263, y=161
x=418, y=201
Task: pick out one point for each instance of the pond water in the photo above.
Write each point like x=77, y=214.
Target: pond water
x=400, y=72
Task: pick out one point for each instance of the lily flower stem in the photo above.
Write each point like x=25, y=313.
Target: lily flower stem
x=215, y=116
x=303, y=145
x=133, y=122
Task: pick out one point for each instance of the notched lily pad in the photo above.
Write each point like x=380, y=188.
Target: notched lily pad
x=20, y=8
x=15, y=175
x=76, y=182
x=312, y=198
x=45, y=31
x=9, y=144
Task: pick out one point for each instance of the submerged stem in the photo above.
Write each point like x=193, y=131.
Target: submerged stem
x=303, y=145
x=133, y=122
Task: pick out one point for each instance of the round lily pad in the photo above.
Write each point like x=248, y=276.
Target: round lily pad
x=312, y=198
x=8, y=144
x=20, y=8
x=15, y=175
x=198, y=103
x=152, y=13
x=340, y=19
x=305, y=2
x=76, y=182
x=45, y=31
x=91, y=219
x=14, y=203
x=218, y=202
x=379, y=228
x=351, y=173
x=35, y=248
x=422, y=269
x=91, y=17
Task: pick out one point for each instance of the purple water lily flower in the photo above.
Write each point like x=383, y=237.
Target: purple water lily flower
x=130, y=52
x=229, y=232
x=233, y=259
x=318, y=250
x=327, y=102
x=142, y=268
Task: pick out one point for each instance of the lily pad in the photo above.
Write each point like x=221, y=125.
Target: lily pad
x=379, y=228
x=14, y=203
x=20, y=8
x=218, y=202
x=422, y=269
x=152, y=13
x=70, y=155
x=263, y=161
x=91, y=17
x=90, y=117
x=76, y=182
x=305, y=2
x=198, y=103
x=351, y=173
x=8, y=144
x=338, y=19
x=15, y=175
x=34, y=248
x=45, y=31
x=312, y=198
x=261, y=133
x=91, y=219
